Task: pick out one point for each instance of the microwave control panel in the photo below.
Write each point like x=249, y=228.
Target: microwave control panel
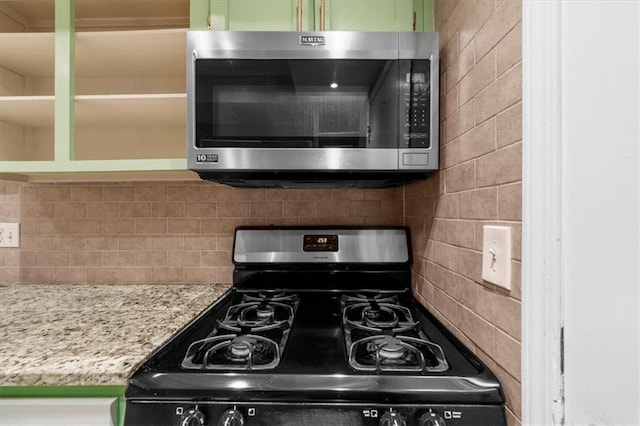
x=416, y=105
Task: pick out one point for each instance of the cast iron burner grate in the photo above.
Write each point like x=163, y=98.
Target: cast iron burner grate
x=233, y=352
x=252, y=336
x=381, y=335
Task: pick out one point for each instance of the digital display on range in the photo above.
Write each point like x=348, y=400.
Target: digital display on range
x=320, y=243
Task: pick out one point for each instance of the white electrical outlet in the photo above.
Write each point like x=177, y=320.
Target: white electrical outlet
x=496, y=255
x=9, y=235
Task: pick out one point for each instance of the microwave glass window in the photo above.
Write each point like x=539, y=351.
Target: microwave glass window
x=297, y=103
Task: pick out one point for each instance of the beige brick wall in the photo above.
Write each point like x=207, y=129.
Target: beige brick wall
x=479, y=183
x=151, y=232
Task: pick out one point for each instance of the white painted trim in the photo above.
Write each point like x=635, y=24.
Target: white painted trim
x=542, y=286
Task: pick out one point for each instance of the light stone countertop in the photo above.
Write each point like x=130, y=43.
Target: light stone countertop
x=90, y=335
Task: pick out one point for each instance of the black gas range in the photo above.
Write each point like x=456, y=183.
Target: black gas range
x=320, y=327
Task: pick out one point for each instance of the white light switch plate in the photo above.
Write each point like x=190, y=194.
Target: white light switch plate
x=9, y=235
x=496, y=255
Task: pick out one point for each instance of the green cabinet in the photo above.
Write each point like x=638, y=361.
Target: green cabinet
x=367, y=15
x=258, y=15
x=339, y=15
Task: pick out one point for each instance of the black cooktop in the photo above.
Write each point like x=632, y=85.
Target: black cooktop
x=314, y=360
x=320, y=327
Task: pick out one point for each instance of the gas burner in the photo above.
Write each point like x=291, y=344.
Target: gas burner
x=232, y=352
x=251, y=336
x=380, y=317
x=377, y=315
x=240, y=347
x=390, y=348
x=396, y=353
x=255, y=314
x=381, y=335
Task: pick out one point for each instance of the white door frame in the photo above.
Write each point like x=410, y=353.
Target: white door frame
x=542, y=289
x=581, y=212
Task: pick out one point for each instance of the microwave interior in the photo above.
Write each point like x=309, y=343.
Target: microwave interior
x=311, y=103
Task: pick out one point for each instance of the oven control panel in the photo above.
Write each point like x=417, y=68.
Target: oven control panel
x=210, y=413
x=325, y=242
x=321, y=246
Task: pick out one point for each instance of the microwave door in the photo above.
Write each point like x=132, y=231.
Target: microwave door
x=292, y=103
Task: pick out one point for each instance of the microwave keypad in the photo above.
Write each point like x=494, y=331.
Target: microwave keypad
x=416, y=103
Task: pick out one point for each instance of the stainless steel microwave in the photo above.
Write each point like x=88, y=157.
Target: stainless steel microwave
x=313, y=109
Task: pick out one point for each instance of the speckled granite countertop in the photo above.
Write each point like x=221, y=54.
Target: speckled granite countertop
x=80, y=335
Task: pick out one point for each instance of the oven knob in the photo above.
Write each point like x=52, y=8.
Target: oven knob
x=392, y=418
x=231, y=417
x=431, y=419
x=193, y=417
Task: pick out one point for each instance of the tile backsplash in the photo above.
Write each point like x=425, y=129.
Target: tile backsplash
x=479, y=183
x=154, y=232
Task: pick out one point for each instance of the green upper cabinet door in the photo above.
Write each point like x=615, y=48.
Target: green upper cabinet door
x=260, y=15
x=339, y=15
x=366, y=15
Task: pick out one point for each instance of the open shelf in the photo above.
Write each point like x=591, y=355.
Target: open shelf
x=27, y=56
x=128, y=90
x=26, y=64
x=130, y=98
x=130, y=126
x=26, y=128
x=26, y=81
x=32, y=111
x=119, y=62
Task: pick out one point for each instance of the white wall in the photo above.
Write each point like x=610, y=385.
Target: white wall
x=601, y=190
x=581, y=213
